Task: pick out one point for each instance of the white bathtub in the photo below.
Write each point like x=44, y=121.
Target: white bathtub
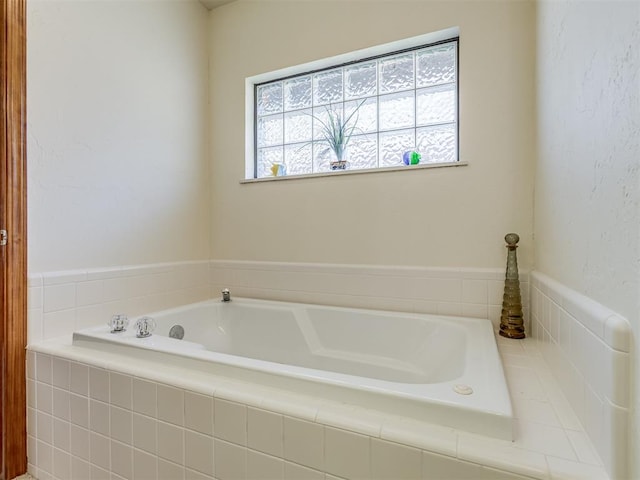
x=407, y=364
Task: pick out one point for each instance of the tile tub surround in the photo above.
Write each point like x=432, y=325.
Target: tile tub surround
x=588, y=348
x=95, y=415
x=62, y=302
x=467, y=292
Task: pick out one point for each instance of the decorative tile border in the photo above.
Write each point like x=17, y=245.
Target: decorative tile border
x=588, y=348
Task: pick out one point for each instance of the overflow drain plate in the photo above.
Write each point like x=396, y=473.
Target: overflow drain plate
x=177, y=332
x=463, y=389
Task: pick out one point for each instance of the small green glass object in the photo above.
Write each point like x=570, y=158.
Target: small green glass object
x=411, y=157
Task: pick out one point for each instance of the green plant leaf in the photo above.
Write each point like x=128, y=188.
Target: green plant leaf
x=336, y=131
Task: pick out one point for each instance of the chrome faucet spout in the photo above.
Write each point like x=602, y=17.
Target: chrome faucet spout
x=226, y=295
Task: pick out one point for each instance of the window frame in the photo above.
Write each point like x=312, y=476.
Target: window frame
x=400, y=47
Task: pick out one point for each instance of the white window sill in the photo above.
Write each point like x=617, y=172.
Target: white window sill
x=355, y=172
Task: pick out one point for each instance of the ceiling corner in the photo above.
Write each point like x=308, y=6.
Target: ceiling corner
x=211, y=4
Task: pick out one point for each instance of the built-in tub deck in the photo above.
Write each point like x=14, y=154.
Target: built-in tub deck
x=444, y=370
x=549, y=442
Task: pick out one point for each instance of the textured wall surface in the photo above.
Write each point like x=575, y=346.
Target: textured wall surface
x=117, y=133
x=441, y=217
x=587, y=182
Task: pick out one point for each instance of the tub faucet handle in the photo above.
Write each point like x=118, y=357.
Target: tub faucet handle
x=226, y=295
x=145, y=327
x=118, y=323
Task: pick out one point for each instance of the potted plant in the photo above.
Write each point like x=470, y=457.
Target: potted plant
x=337, y=132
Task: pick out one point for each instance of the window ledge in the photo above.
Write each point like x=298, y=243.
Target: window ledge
x=336, y=173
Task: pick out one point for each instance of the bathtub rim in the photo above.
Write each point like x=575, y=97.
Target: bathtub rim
x=461, y=413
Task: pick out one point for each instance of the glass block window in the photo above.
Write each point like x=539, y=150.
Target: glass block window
x=391, y=110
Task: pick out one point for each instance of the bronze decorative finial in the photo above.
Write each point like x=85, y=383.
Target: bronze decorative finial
x=511, y=319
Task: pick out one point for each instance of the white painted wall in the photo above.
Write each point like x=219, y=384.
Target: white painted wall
x=443, y=217
x=587, y=189
x=117, y=149
x=119, y=174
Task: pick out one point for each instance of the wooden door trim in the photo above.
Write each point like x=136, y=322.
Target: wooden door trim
x=13, y=213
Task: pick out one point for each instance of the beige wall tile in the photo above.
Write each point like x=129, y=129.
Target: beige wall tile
x=438, y=466
x=198, y=412
x=121, y=390
x=144, y=397
x=44, y=427
x=230, y=461
x=145, y=466
x=265, y=431
x=293, y=471
x=171, y=405
x=199, y=452
x=230, y=421
x=61, y=464
x=264, y=467
x=100, y=450
x=99, y=421
x=394, y=461
x=121, y=459
x=99, y=384
x=347, y=454
x=61, y=434
x=80, y=470
x=44, y=397
x=304, y=443
x=61, y=404
x=43, y=368
x=171, y=442
x=145, y=432
x=121, y=425
x=79, y=439
x=79, y=410
x=169, y=470
x=79, y=379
